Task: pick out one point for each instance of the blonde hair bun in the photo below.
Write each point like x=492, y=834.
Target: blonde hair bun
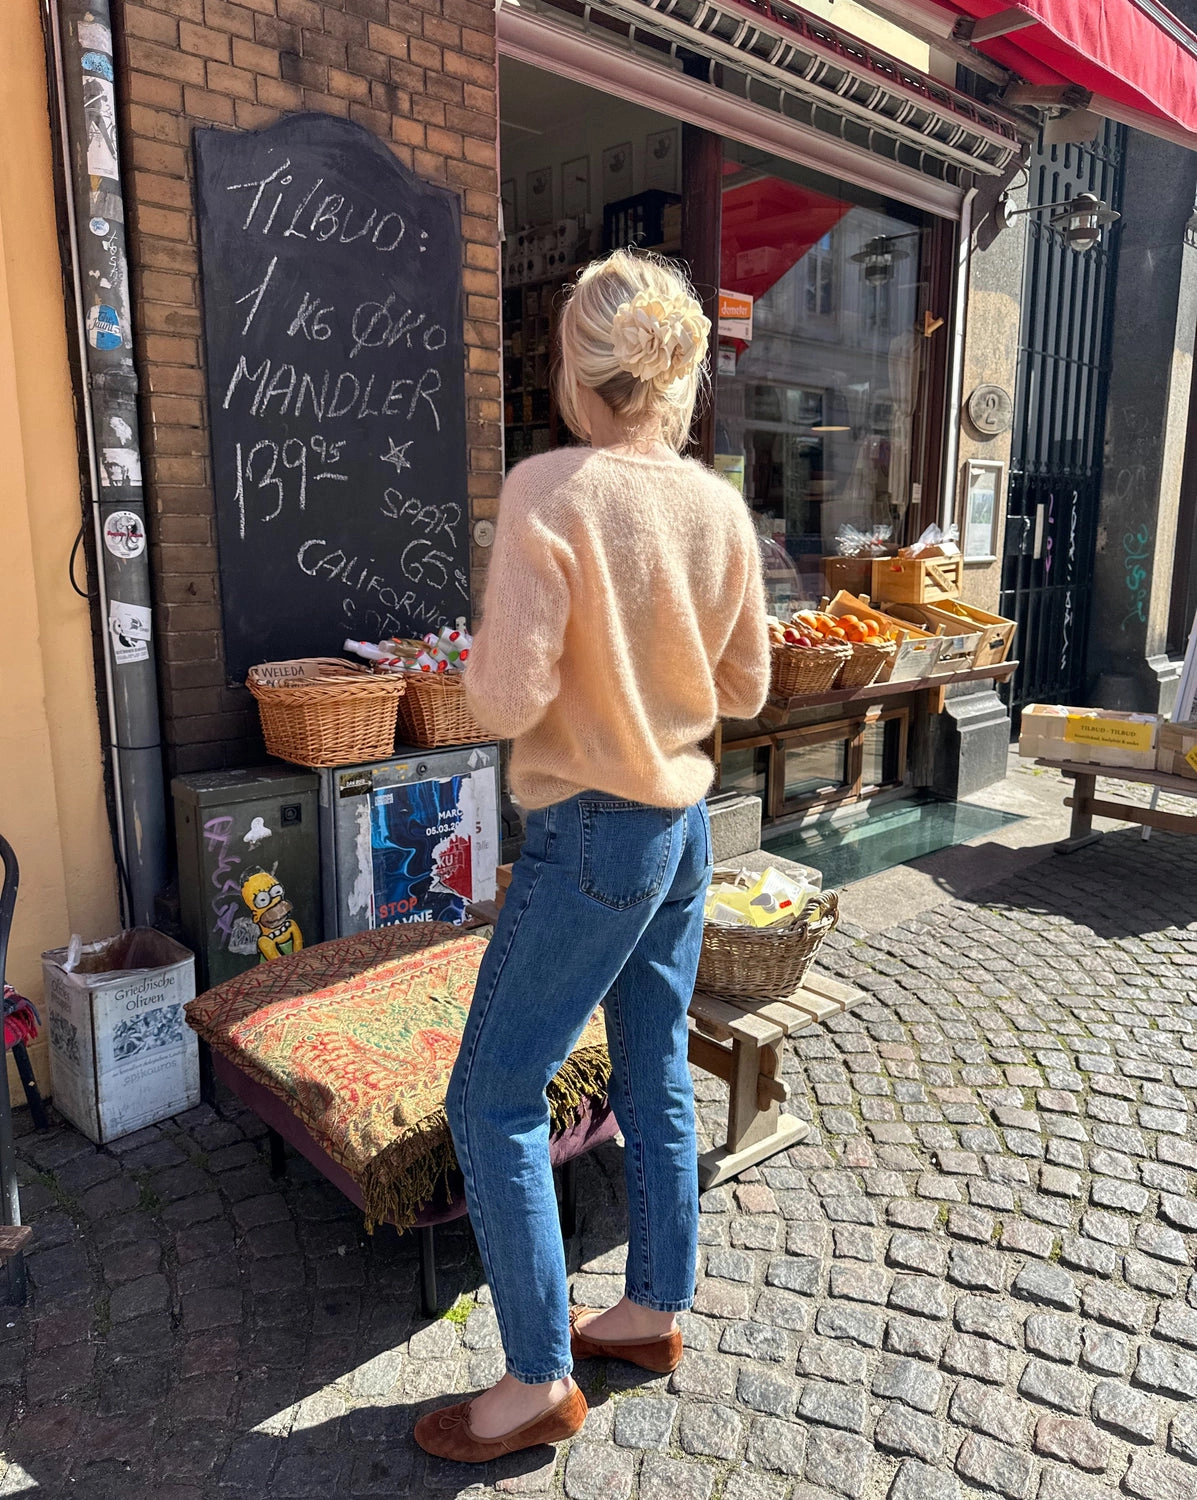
x=659, y=340
x=633, y=331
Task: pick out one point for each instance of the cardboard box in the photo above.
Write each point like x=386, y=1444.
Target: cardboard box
x=121, y=1053
x=918, y=650
x=917, y=580
x=1176, y=749
x=1092, y=736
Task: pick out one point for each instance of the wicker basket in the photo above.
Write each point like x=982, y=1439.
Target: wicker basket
x=433, y=713
x=868, y=662
x=321, y=711
x=764, y=963
x=807, y=669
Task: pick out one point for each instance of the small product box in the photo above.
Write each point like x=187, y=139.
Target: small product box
x=121, y=1053
x=1091, y=736
x=1177, y=749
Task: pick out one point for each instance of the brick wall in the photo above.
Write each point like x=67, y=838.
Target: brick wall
x=419, y=75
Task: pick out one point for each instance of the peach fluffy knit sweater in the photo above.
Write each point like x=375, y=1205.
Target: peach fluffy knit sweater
x=624, y=615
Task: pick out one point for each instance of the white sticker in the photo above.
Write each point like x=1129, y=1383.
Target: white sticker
x=257, y=832
x=122, y=429
x=129, y=625
x=98, y=226
x=95, y=37
x=99, y=113
x=120, y=467
x=124, y=534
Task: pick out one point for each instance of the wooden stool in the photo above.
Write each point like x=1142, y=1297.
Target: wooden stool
x=736, y=1040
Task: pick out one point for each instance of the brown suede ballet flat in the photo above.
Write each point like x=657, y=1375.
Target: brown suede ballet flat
x=660, y=1355
x=446, y=1433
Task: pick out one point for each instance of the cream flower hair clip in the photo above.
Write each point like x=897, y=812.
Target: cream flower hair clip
x=659, y=338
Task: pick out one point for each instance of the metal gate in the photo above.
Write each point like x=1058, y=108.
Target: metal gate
x=1059, y=424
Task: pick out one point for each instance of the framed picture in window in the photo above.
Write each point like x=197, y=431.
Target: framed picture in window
x=617, y=173
x=540, y=195
x=982, y=491
x=661, y=153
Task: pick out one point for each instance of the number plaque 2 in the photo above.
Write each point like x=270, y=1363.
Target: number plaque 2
x=331, y=281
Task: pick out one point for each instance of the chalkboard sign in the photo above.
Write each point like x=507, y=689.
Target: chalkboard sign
x=336, y=388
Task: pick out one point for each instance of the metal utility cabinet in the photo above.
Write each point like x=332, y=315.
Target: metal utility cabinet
x=412, y=839
x=249, y=867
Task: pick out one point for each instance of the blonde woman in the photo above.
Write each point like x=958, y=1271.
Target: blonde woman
x=624, y=615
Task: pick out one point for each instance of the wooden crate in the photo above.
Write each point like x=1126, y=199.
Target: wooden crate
x=996, y=635
x=852, y=574
x=918, y=650
x=959, y=643
x=917, y=580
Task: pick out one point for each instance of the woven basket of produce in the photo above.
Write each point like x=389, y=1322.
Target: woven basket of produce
x=868, y=661
x=799, y=670
x=433, y=712
x=765, y=963
x=320, y=711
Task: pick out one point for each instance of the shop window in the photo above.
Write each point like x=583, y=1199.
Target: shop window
x=814, y=772
x=745, y=770
x=882, y=753
x=816, y=411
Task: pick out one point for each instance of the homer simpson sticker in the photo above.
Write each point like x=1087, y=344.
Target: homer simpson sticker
x=278, y=932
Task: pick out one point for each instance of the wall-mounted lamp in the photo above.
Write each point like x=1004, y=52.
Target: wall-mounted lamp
x=880, y=255
x=1082, y=218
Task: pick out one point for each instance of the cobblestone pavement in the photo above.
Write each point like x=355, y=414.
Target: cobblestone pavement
x=975, y=1276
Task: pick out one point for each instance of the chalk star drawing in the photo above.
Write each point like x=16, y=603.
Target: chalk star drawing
x=397, y=454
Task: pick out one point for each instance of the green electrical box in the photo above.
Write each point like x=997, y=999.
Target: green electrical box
x=249, y=867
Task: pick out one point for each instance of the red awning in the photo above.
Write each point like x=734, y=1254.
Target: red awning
x=1136, y=59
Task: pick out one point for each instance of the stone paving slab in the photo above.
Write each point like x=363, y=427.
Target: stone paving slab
x=976, y=1276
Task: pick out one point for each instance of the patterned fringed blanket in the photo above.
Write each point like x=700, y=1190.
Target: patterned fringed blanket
x=358, y=1037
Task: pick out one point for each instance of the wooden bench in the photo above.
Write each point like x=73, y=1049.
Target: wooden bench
x=737, y=1040
x=1087, y=805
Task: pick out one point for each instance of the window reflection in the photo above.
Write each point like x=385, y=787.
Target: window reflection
x=814, y=415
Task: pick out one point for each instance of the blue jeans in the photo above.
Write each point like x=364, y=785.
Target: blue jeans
x=605, y=904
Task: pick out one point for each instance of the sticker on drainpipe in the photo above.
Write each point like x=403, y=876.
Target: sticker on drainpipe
x=124, y=534
x=129, y=626
x=103, y=327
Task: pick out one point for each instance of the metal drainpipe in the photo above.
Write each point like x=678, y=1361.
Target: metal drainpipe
x=81, y=34
x=951, y=448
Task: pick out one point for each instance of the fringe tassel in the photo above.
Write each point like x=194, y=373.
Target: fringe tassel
x=399, y=1181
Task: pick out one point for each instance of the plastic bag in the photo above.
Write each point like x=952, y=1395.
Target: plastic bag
x=849, y=542
x=935, y=543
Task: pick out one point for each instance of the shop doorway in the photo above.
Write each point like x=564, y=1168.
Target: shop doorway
x=1059, y=424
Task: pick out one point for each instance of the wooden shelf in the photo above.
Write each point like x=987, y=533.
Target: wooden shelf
x=1185, y=785
x=778, y=708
